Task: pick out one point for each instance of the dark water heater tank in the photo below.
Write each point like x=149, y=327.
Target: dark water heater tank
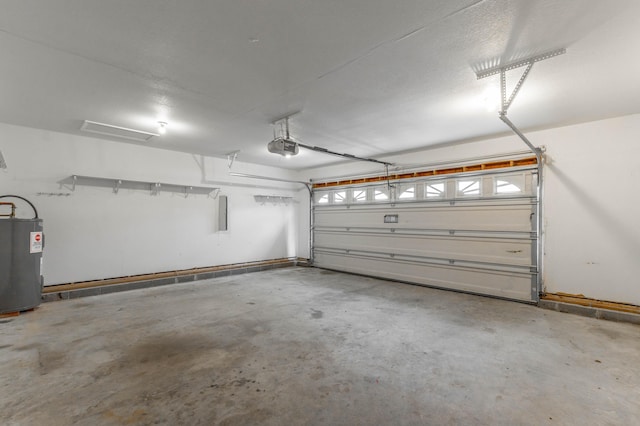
x=21, y=244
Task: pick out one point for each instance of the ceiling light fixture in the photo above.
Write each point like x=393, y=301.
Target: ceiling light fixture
x=116, y=131
x=162, y=127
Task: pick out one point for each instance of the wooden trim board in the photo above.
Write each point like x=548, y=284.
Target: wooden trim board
x=579, y=299
x=154, y=276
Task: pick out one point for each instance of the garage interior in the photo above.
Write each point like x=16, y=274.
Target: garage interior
x=302, y=212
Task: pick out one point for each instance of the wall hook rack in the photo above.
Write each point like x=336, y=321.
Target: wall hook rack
x=273, y=199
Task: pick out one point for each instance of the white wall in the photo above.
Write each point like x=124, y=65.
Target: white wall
x=94, y=233
x=592, y=240
x=591, y=210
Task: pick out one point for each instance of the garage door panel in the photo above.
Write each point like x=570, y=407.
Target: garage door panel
x=496, y=218
x=507, y=285
x=489, y=250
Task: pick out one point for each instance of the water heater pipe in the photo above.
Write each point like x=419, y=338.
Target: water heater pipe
x=35, y=211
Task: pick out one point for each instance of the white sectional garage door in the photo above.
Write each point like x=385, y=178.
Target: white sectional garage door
x=472, y=232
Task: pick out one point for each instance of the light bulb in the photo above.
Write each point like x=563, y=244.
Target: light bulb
x=162, y=127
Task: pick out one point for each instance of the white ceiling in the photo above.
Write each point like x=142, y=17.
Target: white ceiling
x=369, y=77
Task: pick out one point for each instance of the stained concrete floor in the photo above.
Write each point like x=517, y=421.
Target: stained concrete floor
x=306, y=346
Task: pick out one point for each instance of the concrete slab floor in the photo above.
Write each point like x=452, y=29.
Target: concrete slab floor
x=307, y=346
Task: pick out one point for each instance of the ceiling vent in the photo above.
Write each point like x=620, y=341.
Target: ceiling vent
x=116, y=131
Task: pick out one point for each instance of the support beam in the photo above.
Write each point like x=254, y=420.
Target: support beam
x=505, y=104
x=520, y=63
x=507, y=101
x=517, y=131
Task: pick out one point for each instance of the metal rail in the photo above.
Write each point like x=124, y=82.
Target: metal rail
x=520, y=63
x=343, y=155
x=505, y=104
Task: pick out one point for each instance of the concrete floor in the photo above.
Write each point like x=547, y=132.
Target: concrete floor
x=307, y=346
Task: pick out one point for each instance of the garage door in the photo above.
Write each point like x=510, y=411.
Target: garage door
x=466, y=231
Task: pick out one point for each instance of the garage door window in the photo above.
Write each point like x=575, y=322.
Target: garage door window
x=322, y=198
x=381, y=194
x=435, y=190
x=407, y=192
x=510, y=184
x=359, y=195
x=339, y=197
x=468, y=187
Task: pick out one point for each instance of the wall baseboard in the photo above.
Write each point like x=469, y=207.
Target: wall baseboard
x=111, y=285
x=580, y=305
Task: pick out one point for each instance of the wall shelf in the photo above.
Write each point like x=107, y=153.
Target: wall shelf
x=153, y=187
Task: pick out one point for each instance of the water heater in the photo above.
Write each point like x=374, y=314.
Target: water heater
x=21, y=245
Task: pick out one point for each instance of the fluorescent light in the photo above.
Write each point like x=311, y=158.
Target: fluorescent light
x=116, y=131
